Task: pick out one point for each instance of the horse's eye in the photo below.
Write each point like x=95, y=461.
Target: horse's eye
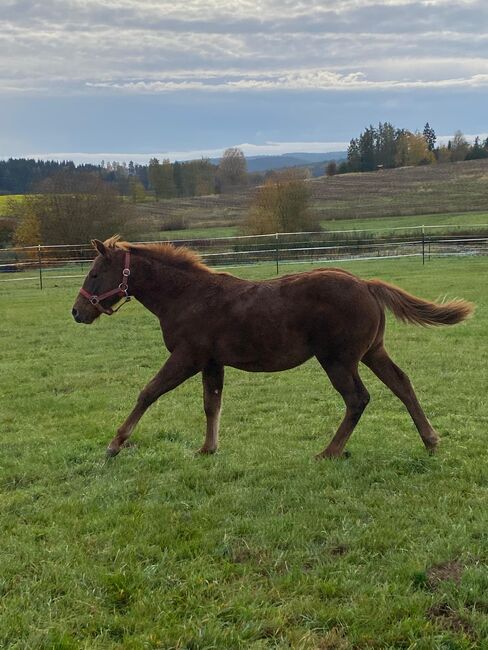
x=93, y=275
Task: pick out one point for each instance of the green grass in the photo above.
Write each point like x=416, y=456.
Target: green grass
x=5, y=199
x=384, y=223
x=191, y=233
x=464, y=219
x=258, y=546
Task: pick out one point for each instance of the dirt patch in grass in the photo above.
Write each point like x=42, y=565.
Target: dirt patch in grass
x=339, y=549
x=443, y=615
x=452, y=570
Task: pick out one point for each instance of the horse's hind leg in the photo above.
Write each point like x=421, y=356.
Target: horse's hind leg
x=213, y=383
x=345, y=379
x=398, y=382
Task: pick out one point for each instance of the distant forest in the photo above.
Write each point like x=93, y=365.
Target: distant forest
x=384, y=146
x=387, y=146
x=21, y=176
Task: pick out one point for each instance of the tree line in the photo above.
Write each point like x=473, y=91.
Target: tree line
x=387, y=146
x=161, y=179
x=72, y=204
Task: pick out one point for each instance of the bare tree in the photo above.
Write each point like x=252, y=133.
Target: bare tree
x=459, y=147
x=232, y=171
x=331, y=169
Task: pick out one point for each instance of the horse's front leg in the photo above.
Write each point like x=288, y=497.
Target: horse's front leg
x=177, y=369
x=213, y=383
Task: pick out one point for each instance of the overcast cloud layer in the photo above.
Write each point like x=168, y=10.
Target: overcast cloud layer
x=100, y=54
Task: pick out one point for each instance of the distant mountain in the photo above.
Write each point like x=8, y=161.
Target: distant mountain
x=301, y=159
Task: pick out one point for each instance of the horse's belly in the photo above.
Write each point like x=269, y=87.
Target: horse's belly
x=268, y=359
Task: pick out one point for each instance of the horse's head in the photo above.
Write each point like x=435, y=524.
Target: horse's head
x=104, y=285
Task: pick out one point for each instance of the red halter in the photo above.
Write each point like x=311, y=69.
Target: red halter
x=121, y=290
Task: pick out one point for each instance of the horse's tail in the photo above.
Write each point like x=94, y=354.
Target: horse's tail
x=411, y=309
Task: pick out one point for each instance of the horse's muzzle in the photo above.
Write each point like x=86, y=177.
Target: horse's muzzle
x=76, y=315
x=79, y=318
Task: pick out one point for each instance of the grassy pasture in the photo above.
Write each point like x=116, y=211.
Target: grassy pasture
x=258, y=546
x=6, y=199
x=382, y=224
x=342, y=201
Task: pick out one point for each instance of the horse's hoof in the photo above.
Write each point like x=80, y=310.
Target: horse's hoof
x=111, y=453
x=332, y=456
x=206, y=452
x=432, y=446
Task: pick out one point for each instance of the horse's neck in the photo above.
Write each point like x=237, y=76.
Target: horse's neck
x=158, y=287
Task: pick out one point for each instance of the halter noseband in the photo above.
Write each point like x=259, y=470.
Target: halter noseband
x=121, y=290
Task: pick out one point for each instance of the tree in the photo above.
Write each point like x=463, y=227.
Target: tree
x=385, y=145
x=28, y=231
x=7, y=230
x=429, y=136
x=412, y=149
x=418, y=151
x=443, y=154
x=161, y=178
x=459, y=147
x=353, y=156
x=136, y=190
x=232, y=171
x=282, y=205
x=367, y=149
x=477, y=151
x=331, y=169
x=401, y=155
x=70, y=209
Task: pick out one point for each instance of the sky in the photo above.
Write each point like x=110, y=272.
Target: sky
x=131, y=79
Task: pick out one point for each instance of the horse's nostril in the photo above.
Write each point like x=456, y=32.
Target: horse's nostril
x=74, y=312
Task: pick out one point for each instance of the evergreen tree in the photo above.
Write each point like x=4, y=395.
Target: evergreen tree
x=367, y=149
x=429, y=136
x=477, y=151
x=353, y=156
x=386, y=145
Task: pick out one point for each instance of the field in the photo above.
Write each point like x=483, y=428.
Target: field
x=380, y=224
x=5, y=199
x=412, y=196
x=258, y=546
x=418, y=194
x=453, y=187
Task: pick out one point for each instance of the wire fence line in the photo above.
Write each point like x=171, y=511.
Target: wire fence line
x=38, y=264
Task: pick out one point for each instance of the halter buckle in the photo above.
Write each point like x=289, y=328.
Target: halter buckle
x=126, y=273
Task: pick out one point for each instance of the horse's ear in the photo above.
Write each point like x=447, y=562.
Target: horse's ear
x=99, y=246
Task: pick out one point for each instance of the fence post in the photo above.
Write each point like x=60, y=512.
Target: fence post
x=277, y=255
x=423, y=245
x=40, y=265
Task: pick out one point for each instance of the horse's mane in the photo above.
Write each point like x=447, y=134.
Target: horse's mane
x=177, y=256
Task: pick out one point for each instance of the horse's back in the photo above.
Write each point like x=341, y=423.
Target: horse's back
x=282, y=322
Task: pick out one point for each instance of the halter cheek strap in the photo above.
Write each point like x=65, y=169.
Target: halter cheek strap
x=122, y=290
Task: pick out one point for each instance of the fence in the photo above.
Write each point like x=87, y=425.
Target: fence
x=38, y=263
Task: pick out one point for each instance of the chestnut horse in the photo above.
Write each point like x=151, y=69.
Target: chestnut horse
x=210, y=320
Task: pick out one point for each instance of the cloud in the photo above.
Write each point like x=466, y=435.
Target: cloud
x=278, y=65
x=302, y=80
x=82, y=46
